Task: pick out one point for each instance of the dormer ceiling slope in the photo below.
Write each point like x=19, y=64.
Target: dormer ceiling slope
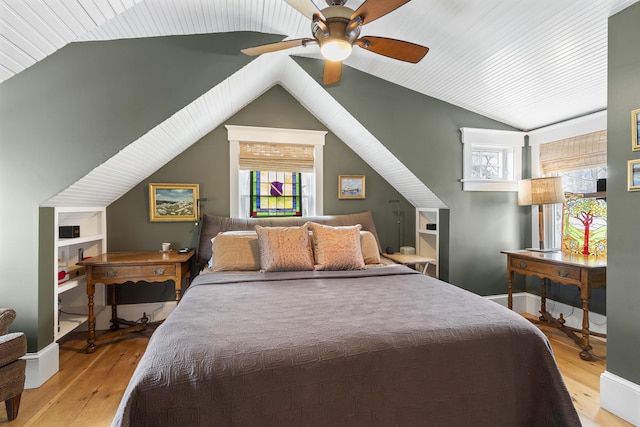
x=527, y=63
x=112, y=179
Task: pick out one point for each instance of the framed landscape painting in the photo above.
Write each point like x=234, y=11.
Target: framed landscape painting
x=635, y=129
x=351, y=187
x=173, y=202
x=634, y=175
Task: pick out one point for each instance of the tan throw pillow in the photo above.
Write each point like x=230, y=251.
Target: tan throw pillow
x=236, y=252
x=337, y=248
x=369, y=246
x=284, y=248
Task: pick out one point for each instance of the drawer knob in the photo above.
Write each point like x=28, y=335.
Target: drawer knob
x=111, y=273
x=158, y=271
x=563, y=273
x=522, y=264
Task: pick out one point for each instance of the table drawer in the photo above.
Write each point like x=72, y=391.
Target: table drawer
x=133, y=271
x=550, y=270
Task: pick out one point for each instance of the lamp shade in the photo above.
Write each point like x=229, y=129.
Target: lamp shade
x=540, y=191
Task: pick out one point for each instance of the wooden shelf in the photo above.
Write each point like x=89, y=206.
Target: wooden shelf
x=80, y=240
x=73, y=317
x=64, y=254
x=66, y=286
x=429, y=243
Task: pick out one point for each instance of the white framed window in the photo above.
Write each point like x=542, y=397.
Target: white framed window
x=492, y=159
x=576, y=150
x=581, y=181
x=239, y=203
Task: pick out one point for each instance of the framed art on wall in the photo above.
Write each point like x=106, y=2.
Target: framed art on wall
x=173, y=202
x=634, y=175
x=351, y=187
x=635, y=129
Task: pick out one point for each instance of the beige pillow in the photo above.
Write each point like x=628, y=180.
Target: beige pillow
x=235, y=252
x=284, y=248
x=369, y=246
x=337, y=248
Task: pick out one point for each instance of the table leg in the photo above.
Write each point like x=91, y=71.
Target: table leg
x=510, y=274
x=91, y=289
x=114, y=309
x=178, y=281
x=586, y=346
x=543, y=299
x=424, y=268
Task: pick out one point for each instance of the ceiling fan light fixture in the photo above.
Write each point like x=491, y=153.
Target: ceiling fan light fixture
x=336, y=50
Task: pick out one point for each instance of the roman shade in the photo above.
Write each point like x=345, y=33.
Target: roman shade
x=580, y=152
x=276, y=157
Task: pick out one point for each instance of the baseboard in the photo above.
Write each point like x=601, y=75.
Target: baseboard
x=44, y=364
x=524, y=302
x=41, y=365
x=617, y=395
x=620, y=397
x=155, y=311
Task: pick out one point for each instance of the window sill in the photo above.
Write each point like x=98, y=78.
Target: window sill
x=489, y=185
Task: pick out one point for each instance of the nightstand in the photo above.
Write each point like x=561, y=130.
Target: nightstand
x=115, y=268
x=411, y=260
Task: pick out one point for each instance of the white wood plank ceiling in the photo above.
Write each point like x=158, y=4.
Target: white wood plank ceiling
x=110, y=180
x=528, y=63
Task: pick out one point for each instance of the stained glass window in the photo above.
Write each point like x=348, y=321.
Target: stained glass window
x=275, y=194
x=584, y=226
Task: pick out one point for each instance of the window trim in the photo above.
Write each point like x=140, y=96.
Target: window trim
x=237, y=134
x=473, y=139
x=571, y=128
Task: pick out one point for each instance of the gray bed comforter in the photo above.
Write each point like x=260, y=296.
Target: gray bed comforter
x=378, y=347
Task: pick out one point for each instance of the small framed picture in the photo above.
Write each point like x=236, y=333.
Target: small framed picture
x=351, y=187
x=634, y=175
x=173, y=202
x=635, y=129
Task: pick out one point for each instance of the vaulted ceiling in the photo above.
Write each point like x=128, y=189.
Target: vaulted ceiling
x=527, y=63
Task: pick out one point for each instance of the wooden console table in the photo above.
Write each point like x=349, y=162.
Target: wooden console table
x=586, y=272
x=115, y=268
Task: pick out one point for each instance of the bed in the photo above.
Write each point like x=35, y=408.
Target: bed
x=382, y=345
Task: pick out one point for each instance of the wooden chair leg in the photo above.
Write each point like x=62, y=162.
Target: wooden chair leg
x=13, y=405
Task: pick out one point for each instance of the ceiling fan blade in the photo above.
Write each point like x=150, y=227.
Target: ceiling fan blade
x=274, y=47
x=371, y=10
x=332, y=72
x=306, y=7
x=396, y=49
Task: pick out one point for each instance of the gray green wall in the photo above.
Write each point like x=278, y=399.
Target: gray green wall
x=623, y=274
x=424, y=134
x=72, y=111
x=207, y=163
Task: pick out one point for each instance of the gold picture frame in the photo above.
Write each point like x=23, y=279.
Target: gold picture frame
x=173, y=202
x=351, y=187
x=634, y=175
x=635, y=129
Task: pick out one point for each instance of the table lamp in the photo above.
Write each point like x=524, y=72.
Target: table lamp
x=540, y=191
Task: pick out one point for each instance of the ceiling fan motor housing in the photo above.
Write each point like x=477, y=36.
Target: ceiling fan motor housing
x=337, y=25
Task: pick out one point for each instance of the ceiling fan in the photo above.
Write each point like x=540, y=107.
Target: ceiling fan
x=336, y=29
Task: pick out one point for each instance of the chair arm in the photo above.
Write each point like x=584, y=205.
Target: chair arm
x=12, y=347
x=6, y=317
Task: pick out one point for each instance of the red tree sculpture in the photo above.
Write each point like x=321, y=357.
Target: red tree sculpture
x=586, y=218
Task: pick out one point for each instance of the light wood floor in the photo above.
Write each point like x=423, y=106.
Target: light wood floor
x=88, y=388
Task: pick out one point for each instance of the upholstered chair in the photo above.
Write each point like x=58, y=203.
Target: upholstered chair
x=12, y=369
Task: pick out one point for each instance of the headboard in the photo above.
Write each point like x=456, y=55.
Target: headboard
x=211, y=225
